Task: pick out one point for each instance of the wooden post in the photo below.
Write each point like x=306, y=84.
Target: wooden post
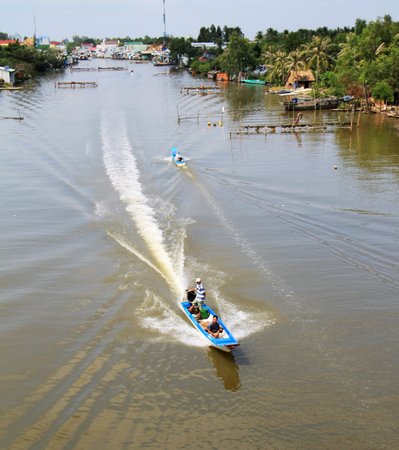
x=351, y=119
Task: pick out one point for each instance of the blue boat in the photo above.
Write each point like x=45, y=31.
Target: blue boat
x=177, y=158
x=225, y=342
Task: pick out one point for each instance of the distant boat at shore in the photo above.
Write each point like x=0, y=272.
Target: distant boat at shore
x=298, y=91
x=162, y=61
x=307, y=103
x=247, y=81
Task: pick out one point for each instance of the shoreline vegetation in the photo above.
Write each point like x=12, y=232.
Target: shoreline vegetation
x=358, y=61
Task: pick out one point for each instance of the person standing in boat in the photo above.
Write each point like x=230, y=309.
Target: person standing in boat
x=199, y=301
x=199, y=290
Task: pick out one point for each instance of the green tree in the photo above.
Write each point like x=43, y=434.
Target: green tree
x=180, y=46
x=360, y=25
x=201, y=68
x=259, y=36
x=238, y=56
x=271, y=37
x=228, y=31
x=204, y=35
x=331, y=82
x=383, y=91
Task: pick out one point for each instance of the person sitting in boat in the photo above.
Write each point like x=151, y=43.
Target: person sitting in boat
x=194, y=309
x=178, y=156
x=214, y=327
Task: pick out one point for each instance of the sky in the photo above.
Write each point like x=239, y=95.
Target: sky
x=62, y=19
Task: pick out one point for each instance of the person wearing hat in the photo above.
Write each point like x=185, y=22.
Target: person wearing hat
x=200, y=293
x=199, y=290
x=197, y=307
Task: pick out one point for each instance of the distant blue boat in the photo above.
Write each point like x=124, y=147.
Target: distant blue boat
x=177, y=158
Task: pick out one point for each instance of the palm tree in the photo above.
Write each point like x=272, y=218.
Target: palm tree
x=276, y=63
x=268, y=55
x=316, y=54
x=294, y=62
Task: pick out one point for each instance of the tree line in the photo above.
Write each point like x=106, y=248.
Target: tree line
x=28, y=60
x=361, y=60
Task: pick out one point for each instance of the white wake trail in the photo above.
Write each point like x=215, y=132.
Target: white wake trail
x=121, y=167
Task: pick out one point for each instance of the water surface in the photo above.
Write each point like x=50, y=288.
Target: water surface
x=294, y=235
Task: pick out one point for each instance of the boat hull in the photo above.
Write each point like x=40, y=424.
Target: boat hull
x=308, y=105
x=261, y=82
x=226, y=342
x=178, y=162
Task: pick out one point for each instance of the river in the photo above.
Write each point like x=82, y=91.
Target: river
x=295, y=235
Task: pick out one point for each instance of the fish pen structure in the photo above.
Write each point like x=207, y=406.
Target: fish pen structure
x=83, y=69
x=263, y=128
x=76, y=84
x=200, y=89
x=12, y=117
x=116, y=68
x=200, y=115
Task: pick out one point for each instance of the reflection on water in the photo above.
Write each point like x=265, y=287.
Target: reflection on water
x=226, y=368
x=242, y=100
x=298, y=138
x=372, y=145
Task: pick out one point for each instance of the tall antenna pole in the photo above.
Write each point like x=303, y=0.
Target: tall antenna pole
x=164, y=24
x=34, y=32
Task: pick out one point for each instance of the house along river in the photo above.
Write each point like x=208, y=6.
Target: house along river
x=295, y=235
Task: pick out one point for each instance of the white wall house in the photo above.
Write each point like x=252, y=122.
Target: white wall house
x=7, y=75
x=107, y=48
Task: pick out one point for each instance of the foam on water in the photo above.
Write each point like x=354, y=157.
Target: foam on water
x=166, y=259
x=168, y=324
x=120, y=240
x=241, y=323
x=278, y=284
x=121, y=167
